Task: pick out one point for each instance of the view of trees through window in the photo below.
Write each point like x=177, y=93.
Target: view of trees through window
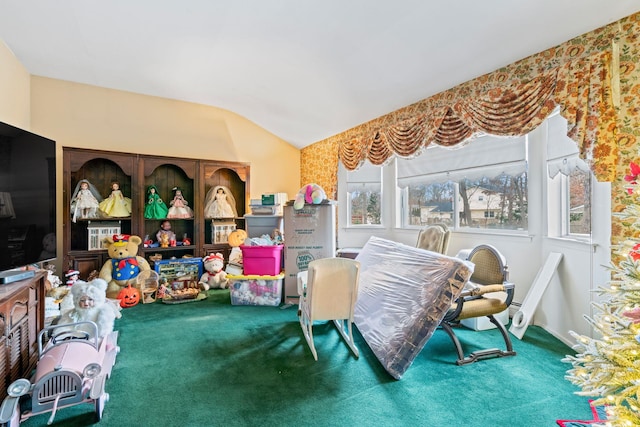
x=579, y=202
x=365, y=207
x=493, y=203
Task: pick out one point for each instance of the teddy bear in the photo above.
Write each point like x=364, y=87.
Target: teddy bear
x=124, y=265
x=310, y=193
x=90, y=303
x=214, y=276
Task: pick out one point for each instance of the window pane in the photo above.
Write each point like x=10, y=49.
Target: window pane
x=495, y=203
x=430, y=203
x=580, y=202
x=364, y=207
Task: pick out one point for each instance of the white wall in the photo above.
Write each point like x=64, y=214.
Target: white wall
x=583, y=267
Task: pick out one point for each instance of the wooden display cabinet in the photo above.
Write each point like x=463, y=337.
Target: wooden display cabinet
x=21, y=319
x=166, y=174
x=236, y=178
x=135, y=173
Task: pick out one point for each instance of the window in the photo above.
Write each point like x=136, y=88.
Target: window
x=570, y=182
x=579, y=189
x=481, y=185
x=364, y=195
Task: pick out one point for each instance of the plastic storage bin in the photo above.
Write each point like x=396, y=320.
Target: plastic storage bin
x=255, y=290
x=261, y=260
x=258, y=225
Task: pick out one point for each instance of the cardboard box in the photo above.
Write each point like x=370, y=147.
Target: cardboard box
x=483, y=323
x=255, y=290
x=262, y=260
x=180, y=269
x=309, y=234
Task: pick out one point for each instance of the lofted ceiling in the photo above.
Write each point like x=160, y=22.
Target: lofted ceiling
x=303, y=70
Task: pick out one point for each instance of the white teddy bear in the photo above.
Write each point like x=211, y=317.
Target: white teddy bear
x=90, y=304
x=214, y=276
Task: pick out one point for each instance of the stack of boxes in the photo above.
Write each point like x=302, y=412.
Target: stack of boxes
x=261, y=281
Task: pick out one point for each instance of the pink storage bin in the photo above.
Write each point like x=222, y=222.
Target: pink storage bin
x=261, y=260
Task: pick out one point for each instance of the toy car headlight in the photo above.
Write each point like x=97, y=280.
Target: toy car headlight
x=19, y=387
x=92, y=370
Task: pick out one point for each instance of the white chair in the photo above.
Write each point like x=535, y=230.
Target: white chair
x=434, y=238
x=328, y=291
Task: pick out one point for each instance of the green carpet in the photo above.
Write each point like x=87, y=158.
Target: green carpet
x=209, y=363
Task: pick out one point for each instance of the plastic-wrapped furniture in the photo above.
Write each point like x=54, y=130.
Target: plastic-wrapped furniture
x=434, y=238
x=328, y=291
x=488, y=293
x=403, y=295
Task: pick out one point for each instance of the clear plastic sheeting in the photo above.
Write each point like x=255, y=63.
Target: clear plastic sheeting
x=404, y=292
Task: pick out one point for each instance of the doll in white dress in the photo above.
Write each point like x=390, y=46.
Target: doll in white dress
x=85, y=201
x=220, y=203
x=116, y=205
x=179, y=206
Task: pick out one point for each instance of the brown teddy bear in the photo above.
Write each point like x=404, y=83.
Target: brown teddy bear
x=124, y=266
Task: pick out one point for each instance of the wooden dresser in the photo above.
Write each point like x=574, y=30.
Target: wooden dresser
x=21, y=319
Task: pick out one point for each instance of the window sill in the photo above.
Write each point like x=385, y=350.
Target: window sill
x=364, y=227
x=572, y=241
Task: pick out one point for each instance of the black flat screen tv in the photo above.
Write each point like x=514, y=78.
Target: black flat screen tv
x=27, y=198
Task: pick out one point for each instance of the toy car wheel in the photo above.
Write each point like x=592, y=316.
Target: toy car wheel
x=99, y=404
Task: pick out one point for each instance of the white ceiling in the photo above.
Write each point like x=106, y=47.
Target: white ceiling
x=303, y=70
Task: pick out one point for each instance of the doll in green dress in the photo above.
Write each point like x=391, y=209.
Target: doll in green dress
x=155, y=208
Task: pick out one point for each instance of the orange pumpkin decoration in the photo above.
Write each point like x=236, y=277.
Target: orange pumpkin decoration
x=237, y=238
x=129, y=297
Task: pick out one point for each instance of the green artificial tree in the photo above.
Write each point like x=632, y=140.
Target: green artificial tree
x=608, y=367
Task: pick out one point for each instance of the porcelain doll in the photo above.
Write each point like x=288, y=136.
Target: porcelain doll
x=85, y=201
x=116, y=205
x=155, y=208
x=220, y=203
x=179, y=206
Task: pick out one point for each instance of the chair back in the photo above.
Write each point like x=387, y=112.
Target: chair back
x=490, y=267
x=332, y=288
x=434, y=238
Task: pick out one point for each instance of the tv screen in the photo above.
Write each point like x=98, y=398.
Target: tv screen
x=27, y=198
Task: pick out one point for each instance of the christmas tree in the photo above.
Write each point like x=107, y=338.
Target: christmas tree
x=608, y=367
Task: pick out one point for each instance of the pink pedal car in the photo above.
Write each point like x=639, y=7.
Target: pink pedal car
x=73, y=366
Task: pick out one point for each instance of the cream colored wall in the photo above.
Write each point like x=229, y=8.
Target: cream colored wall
x=84, y=116
x=77, y=115
x=14, y=90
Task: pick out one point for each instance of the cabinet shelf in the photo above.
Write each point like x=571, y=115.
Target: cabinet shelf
x=136, y=173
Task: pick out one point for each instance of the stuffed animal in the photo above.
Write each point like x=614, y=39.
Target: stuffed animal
x=215, y=276
x=90, y=304
x=124, y=265
x=310, y=193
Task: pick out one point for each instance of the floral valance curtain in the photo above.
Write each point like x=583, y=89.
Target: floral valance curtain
x=581, y=87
